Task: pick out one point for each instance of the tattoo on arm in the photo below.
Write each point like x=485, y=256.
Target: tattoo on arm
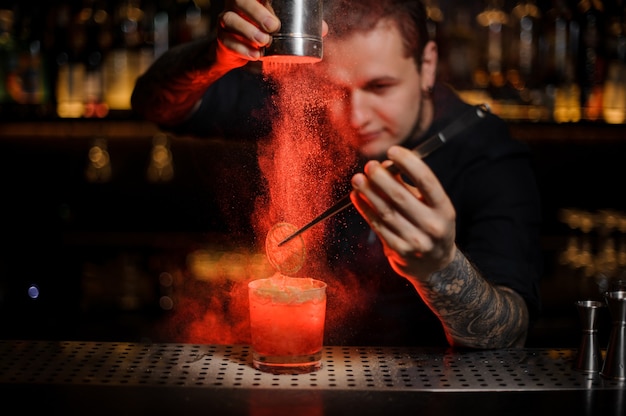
x=474, y=312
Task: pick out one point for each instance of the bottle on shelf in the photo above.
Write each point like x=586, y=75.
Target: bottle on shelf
x=133, y=50
x=98, y=168
x=563, y=57
x=122, y=61
x=459, y=49
x=591, y=57
x=157, y=23
x=523, y=68
x=71, y=39
x=191, y=20
x=435, y=19
x=8, y=56
x=96, y=19
x=561, y=37
x=614, y=93
x=493, y=22
x=26, y=78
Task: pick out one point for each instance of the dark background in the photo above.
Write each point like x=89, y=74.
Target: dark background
x=102, y=256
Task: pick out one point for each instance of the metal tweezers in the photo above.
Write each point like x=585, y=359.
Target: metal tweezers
x=425, y=148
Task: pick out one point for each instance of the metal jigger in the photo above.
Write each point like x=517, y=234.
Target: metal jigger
x=615, y=360
x=589, y=354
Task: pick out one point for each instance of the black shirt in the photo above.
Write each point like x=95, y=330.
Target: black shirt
x=489, y=179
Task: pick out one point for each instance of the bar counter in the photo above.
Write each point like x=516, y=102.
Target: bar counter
x=74, y=377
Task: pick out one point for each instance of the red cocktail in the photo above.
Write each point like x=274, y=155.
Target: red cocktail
x=287, y=323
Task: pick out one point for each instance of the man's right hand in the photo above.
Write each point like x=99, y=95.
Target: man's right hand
x=244, y=28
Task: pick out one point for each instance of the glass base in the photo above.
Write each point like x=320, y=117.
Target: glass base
x=293, y=364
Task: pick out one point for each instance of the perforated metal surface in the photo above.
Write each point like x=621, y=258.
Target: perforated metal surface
x=344, y=368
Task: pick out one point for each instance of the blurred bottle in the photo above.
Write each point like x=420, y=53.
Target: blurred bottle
x=96, y=20
x=592, y=58
x=191, y=20
x=135, y=46
x=614, y=94
x=8, y=57
x=27, y=82
x=71, y=39
x=493, y=21
x=121, y=66
x=160, y=167
x=98, y=162
x=459, y=49
x=561, y=37
x=523, y=70
x=156, y=27
x=147, y=46
x=434, y=23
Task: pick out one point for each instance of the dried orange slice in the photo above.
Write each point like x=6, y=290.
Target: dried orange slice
x=289, y=257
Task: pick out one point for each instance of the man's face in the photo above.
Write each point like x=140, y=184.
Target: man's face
x=375, y=88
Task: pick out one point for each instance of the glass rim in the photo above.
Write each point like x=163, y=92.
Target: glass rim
x=255, y=284
x=590, y=303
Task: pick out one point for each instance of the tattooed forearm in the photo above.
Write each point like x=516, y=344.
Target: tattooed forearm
x=474, y=312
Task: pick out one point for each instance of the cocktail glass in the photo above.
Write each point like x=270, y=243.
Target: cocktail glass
x=287, y=317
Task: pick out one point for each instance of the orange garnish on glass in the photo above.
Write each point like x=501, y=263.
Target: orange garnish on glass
x=289, y=257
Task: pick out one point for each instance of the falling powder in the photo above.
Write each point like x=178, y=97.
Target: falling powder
x=305, y=167
x=302, y=162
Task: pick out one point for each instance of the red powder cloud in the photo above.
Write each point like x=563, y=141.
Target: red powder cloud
x=303, y=164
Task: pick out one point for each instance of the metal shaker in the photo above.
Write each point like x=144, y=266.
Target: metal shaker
x=589, y=354
x=615, y=359
x=299, y=39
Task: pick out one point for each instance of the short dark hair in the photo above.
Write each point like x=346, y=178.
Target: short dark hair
x=348, y=16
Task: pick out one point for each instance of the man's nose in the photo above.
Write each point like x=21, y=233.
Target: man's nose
x=359, y=111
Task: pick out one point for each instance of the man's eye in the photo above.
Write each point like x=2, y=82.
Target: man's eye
x=378, y=88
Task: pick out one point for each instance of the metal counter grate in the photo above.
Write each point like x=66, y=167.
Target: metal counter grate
x=222, y=366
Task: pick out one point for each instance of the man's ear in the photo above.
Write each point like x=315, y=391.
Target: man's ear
x=430, y=58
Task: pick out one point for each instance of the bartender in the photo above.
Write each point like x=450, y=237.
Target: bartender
x=453, y=242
